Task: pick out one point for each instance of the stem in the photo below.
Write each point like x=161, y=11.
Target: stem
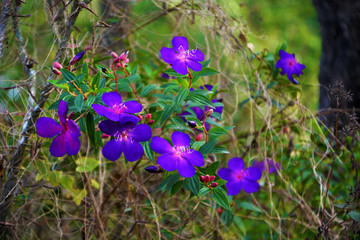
x=116, y=80
x=77, y=88
x=191, y=78
x=131, y=84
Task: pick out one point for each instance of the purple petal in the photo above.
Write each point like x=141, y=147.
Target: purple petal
x=195, y=66
x=72, y=144
x=285, y=55
x=291, y=78
x=113, y=150
x=194, y=157
x=185, y=168
x=225, y=173
x=105, y=111
x=233, y=188
x=180, y=44
x=260, y=165
x=47, y=127
x=168, y=55
x=132, y=150
x=180, y=67
x=58, y=146
x=236, y=164
x=208, y=87
x=73, y=128
x=141, y=133
x=132, y=107
x=62, y=112
x=112, y=98
x=252, y=173
x=160, y=145
x=124, y=118
x=250, y=187
x=196, y=55
x=168, y=161
x=113, y=128
x=180, y=139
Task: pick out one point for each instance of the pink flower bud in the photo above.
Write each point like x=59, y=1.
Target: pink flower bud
x=124, y=55
x=139, y=116
x=202, y=179
x=116, y=60
x=210, y=112
x=212, y=178
x=148, y=116
x=198, y=137
x=219, y=210
x=56, y=71
x=214, y=184
x=206, y=178
x=57, y=65
x=88, y=47
x=114, y=55
x=151, y=122
x=126, y=61
x=104, y=135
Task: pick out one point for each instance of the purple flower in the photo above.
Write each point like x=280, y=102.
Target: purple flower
x=179, y=156
x=127, y=136
x=181, y=57
x=239, y=177
x=117, y=109
x=77, y=57
x=289, y=66
x=271, y=164
x=167, y=76
x=153, y=169
x=67, y=132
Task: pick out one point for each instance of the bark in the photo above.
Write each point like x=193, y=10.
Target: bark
x=340, y=32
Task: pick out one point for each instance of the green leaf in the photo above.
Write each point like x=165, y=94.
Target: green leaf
x=221, y=198
x=146, y=90
x=206, y=63
x=95, y=81
x=85, y=70
x=211, y=170
x=183, y=82
x=206, y=71
x=200, y=99
x=90, y=128
x=179, y=122
x=192, y=184
x=248, y=206
x=54, y=178
x=207, y=147
x=67, y=182
x=61, y=86
x=68, y=76
x=148, y=151
x=43, y=168
x=176, y=187
x=79, y=102
x=172, y=72
x=181, y=96
x=78, y=195
x=169, y=182
x=216, y=132
x=204, y=191
x=355, y=216
x=168, y=110
x=86, y=164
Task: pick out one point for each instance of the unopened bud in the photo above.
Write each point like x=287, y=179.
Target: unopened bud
x=114, y=55
x=202, y=178
x=192, y=124
x=71, y=115
x=57, y=65
x=116, y=60
x=214, y=185
x=104, y=135
x=88, y=47
x=124, y=55
x=286, y=130
x=139, y=116
x=206, y=178
x=212, y=178
x=210, y=112
x=153, y=169
x=104, y=70
x=151, y=122
x=219, y=210
x=148, y=116
x=126, y=61
x=56, y=71
x=198, y=137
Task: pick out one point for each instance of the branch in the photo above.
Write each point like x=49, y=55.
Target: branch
x=6, y=12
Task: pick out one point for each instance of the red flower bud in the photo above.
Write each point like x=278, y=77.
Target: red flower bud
x=198, y=137
x=212, y=178
x=88, y=47
x=219, y=210
x=139, y=116
x=126, y=61
x=104, y=135
x=207, y=178
x=114, y=55
x=57, y=65
x=202, y=178
x=124, y=55
x=286, y=130
x=148, y=116
x=214, y=184
x=56, y=71
x=151, y=122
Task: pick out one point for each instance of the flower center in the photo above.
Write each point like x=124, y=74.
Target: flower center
x=119, y=108
x=122, y=136
x=238, y=175
x=179, y=150
x=291, y=62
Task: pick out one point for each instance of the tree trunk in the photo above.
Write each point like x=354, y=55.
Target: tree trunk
x=340, y=32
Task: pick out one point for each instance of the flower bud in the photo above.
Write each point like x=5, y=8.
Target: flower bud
x=140, y=117
x=71, y=115
x=116, y=60
x=124, y=55
x=151, y=122
x=206, y=178
x=148, y=116
x=192, y=124
x=219, y=210
x=56, y=71
x=198, y=137
x=286, y=130
x=114, y=55
x=88, y=47
x=157, y=131
x=153, y=169
x=214, y=184
x=202, y=178
x=57, y=65
x=210, y=112
x=212, y=178
x=104, y=70
x=104, y=135
x=126, y=61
